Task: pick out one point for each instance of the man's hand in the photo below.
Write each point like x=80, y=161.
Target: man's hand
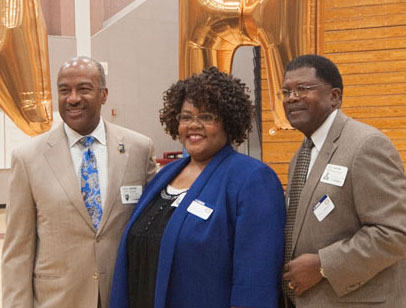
x=303, y=272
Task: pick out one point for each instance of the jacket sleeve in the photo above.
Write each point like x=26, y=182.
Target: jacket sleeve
x=20, y=240
x=151, y=166
x=258, y=241
x=379, y=196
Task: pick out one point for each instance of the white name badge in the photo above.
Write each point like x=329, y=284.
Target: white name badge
x=178, y=199
x=323, y=208
x=334, y=174
x=130, y=194
x=199, y=209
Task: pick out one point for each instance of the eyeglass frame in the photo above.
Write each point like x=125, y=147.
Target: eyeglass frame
x=305, y=90
x=196, y=118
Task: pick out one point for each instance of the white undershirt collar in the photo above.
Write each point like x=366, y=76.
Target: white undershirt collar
x=99, y=133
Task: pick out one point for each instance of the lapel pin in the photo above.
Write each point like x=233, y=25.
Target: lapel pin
x=121, y=148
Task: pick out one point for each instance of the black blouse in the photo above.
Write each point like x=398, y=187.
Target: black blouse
x=144, y=241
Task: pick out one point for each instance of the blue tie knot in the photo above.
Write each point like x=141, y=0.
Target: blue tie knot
x=87, y=141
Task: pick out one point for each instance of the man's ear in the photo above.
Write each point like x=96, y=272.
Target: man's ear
x=105, y=93
x=336, y=98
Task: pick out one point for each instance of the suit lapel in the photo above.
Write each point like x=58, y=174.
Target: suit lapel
x=117, y=163
x=60, y=161
x=172, y=230
x=326, y=152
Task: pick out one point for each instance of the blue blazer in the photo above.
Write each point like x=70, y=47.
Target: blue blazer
x=235, y=257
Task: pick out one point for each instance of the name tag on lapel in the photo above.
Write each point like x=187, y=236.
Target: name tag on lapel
x=130, y=194
x=199, y=209
x=323, y=208
x=334, y=174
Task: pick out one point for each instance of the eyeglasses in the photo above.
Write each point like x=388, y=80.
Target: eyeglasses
x=300, y=91
x=203, y=118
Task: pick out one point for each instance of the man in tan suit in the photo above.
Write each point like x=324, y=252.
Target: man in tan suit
x=53, y=254
x=348, y=236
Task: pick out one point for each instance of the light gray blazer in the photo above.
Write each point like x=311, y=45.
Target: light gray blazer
x=362, y=242
x=52, y=256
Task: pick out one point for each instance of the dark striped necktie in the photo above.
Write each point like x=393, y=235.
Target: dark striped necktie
x=298, y=181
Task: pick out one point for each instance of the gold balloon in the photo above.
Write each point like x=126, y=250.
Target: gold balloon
x=210, y=31
x=25, y=93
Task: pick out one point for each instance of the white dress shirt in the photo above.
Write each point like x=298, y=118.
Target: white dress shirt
x=318, y=138
x=100, y=150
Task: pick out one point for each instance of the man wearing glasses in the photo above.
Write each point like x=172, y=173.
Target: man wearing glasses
x=345, y=235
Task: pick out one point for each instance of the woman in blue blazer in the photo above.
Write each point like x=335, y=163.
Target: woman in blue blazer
x=208, y=229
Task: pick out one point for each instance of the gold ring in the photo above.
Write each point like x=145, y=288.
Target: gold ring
x=290, y=285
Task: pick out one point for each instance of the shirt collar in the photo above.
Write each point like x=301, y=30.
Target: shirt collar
x=320, y=135
x=99, y=134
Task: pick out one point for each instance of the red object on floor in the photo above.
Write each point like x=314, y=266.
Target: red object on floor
x=169, y=157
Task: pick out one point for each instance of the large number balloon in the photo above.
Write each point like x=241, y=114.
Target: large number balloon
x=211, y=30
x=25, y=94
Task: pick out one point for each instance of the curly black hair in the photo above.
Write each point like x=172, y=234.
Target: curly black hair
x=215, y=92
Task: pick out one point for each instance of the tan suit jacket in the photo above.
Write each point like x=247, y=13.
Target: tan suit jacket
x=362, y=242
x=52, y=256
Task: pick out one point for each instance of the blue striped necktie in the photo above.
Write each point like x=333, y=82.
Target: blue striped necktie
x=90, y=187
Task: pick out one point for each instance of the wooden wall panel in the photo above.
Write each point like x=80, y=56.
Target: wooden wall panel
x=356, y=3
x=369, y=100
x=355, y=11
x=374, y=78
x=362, y=45
x=357, y=34
x=375, y=90
x=373, y=67
x=368, y=56
x=367, y=41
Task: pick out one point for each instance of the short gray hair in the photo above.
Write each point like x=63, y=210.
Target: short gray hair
x=102, y=75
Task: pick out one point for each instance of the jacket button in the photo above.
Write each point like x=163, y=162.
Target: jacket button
x=95, y=276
